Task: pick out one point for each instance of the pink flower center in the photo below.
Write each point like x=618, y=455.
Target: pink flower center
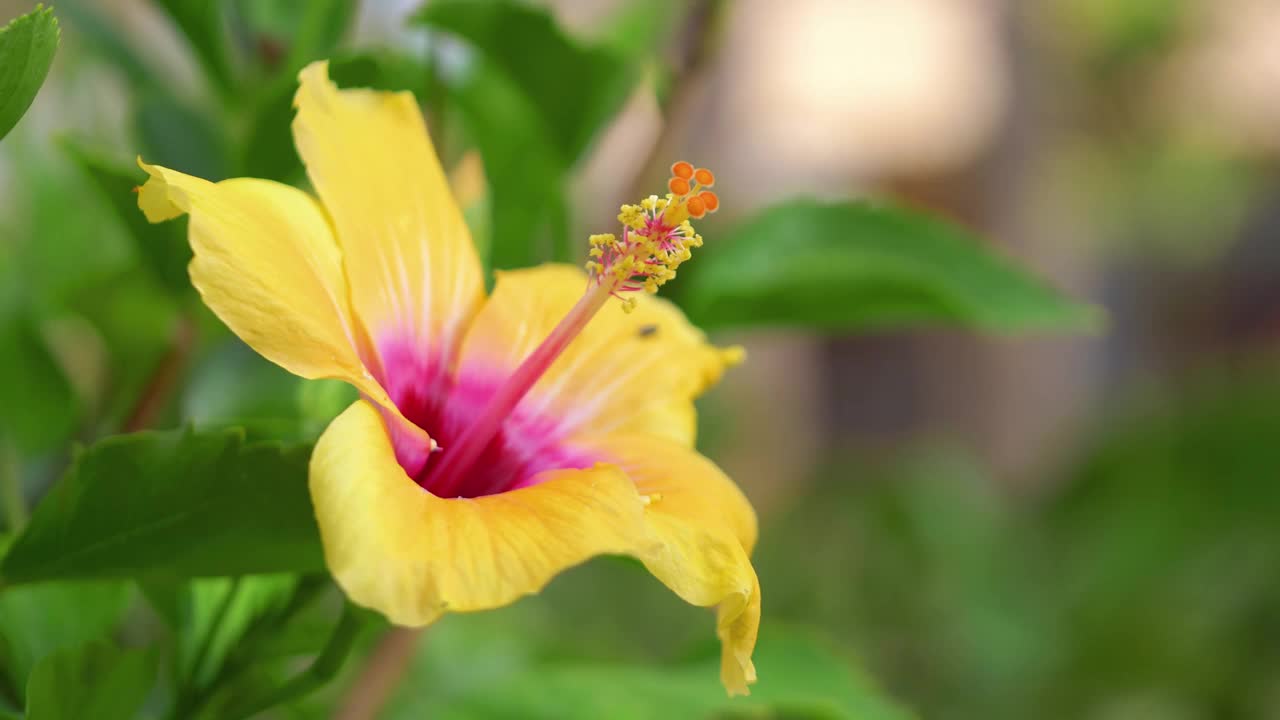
x=523, y=445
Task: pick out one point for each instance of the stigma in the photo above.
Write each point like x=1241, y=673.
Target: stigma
x=657, y=236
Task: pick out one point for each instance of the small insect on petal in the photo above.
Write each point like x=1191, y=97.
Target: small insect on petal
x=682, y=170
x=705, y=177
x=678, y=185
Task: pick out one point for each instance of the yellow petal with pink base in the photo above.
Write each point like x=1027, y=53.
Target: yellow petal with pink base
x=639, y=370
x=414, y=274
x=706, y=530
x=397, y=548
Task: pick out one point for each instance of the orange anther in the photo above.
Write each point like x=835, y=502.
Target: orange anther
x=679, y=186
x=709, y=200
x=696, y=206
x=682, y=170
x=704, y=177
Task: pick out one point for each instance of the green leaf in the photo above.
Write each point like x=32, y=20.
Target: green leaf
x=93, y=681
x=39, y=620
x=27, y=46
x=288, y=34
x=574, y=87
x=39, y=409
x=532, y=99
x=176, y=503
x=854, y=265
x=526, y=178
x=799, y=677
x=176, y=135
x=310, y=30
x=202, y=22
x=217, y=612
x=162, y=246
x=235, y=386
x=638, y=28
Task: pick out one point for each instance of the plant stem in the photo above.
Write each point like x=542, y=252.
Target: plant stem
x=215, y=627
x=165, y=377
x=325, y=667
x=240, y=659
x=700, y=39
x=385, y=667
x=190, y=694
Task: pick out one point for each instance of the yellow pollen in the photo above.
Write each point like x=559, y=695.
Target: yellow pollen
x=657, y=237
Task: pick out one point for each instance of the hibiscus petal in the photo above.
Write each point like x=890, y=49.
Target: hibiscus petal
x=639, y=370
x=398, y=549
x=414, y=274
x=707, y=530
x=265, y=262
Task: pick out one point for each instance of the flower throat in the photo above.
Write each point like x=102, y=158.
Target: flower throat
x=656, y=239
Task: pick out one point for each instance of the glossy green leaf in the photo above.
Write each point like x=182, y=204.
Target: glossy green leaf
x=38, y=406
x=39, y=620
x=575, y=87
x=855, y=265
x=91, y=681
x=162, y=247
x=27, y=47
x=177, y=503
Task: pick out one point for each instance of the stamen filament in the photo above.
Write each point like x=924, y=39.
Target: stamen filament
x=457, y=460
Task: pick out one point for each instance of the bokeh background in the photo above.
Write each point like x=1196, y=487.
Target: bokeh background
x=1061, y=524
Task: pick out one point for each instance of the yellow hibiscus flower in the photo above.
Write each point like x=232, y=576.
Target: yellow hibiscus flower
x=499, y=440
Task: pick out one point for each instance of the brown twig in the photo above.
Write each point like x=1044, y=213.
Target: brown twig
x=380, y=676
x=699, y=40
x=164, y=378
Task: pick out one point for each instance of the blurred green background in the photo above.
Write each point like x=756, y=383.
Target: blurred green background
x=978, y=499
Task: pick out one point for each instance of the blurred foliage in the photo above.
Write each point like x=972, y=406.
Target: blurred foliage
x=1163, y=554
x=40, y=412
x=530, y=123
x=121, y=681
x=810, y=680
x=854, y=265
x=1114, y=38
x=1142, y=588
x=40, y=620
x=1146, y=587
